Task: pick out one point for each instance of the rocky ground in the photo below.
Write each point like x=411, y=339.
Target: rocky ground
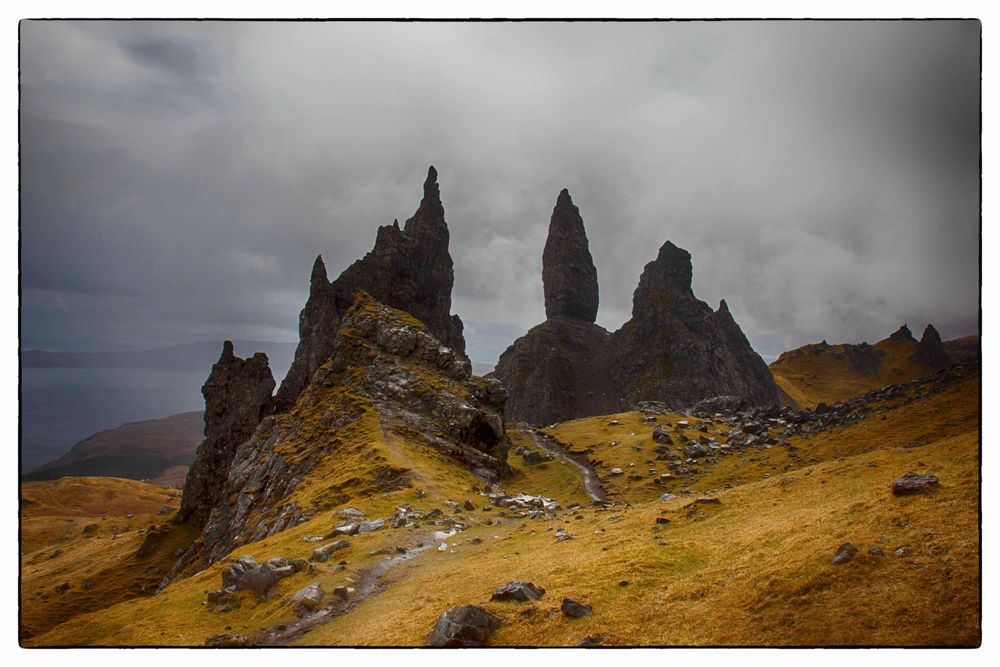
x=785, y=531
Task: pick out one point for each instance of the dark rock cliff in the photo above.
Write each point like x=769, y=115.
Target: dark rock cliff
x=237, y=397
x=931, y=350
x=675, y=349
x=408, y=268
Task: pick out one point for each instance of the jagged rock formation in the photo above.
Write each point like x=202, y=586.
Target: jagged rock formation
x=678, y=350
x=409, y=269
x=386, y=376
x=237, y=397
x=931, y=350
x=675, y=349
x=569, y=277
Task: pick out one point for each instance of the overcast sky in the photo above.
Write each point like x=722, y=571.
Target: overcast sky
x=177, y=179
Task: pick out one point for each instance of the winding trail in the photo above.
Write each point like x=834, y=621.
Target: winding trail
x=591, y=484
x=368, y=586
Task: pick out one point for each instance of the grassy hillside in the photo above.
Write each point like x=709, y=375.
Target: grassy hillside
x=824, y=373
x=753, y=569
x=85, y=531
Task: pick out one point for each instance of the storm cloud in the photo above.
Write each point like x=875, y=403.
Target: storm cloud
x=177, y=179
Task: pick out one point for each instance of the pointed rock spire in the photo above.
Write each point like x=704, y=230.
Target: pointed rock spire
x=932, y=349
x=237, y=397
x=569, y=277
x=318, y=272
x=669, y=273
x=903, y=332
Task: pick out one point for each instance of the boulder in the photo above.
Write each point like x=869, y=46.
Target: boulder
x=323, y=553
x=519, y=591
x=845, y=554
x=912, y=483
x=574, y=609
x=307, y=600
x=464, y=626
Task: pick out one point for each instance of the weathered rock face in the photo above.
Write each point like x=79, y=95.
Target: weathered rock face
x=931, y=350
x=386, y=373
x=557, y=371
x=675, y=349
x=568, y=273
x=237, y=397
x=409, y=269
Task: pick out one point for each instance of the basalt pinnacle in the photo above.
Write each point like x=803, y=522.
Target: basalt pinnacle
x=931, y=350
x=237, y=397
x=675, y=349
x=568, y=273
x=409, y=269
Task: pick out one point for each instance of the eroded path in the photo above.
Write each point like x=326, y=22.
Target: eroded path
x=370, y=583
x=591, y=484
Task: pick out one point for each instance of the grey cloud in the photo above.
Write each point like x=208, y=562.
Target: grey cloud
x=178, y=179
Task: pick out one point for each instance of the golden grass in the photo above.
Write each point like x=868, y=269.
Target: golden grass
x=819, y=373
x=754, y=570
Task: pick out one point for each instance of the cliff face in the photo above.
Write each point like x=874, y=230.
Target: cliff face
x=386, y=375
x=409, y=268
x=675, y=348
x=237, y=397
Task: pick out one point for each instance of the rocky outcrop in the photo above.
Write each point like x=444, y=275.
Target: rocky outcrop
x=237, y=397
x=931, y=350
x=386, y=374
x=675, y=349
x=569, y=277
x=409, y=268
x=557, y=371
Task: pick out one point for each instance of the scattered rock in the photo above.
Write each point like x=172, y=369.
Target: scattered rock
x=912, y=483
x=593, y=640
x=226, y=641
x=845, y=554
x=246, y=574
x=307, y=600
x=90, y=527
x=575, y=609
x=519, y=591
x=465, y=626
x=323, y=553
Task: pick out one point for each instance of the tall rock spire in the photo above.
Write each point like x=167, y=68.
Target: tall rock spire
x=932, y=350
x=237, y=397
x=409, y=269
x=569, y=277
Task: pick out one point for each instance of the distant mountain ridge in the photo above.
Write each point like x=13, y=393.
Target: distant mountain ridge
x=136, y=450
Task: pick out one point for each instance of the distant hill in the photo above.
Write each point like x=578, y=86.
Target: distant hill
x=157, y=448
x=199, y=355
x=963, y=349
x=824, y=373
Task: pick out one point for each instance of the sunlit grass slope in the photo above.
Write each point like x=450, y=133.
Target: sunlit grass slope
x=752, y=570
x=823, y=373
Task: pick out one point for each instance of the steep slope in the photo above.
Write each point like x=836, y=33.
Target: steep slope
x=137, y=450
x=386, y=377
x=409, y=269
x=749, y=565
x=824, y=373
